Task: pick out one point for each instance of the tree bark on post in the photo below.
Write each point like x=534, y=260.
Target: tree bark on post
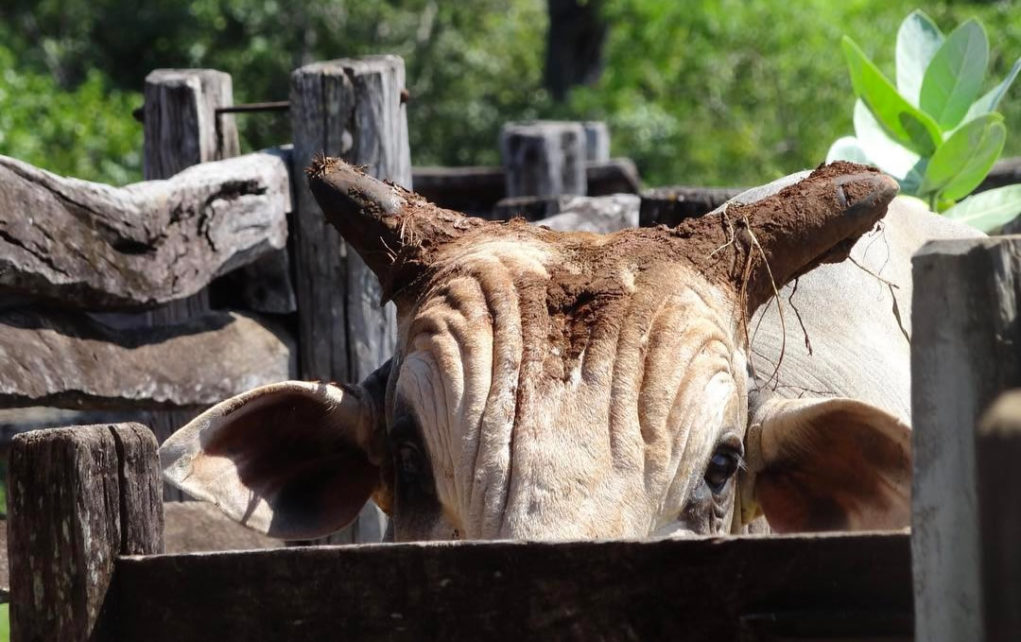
x=352, y=109
x=183, y=129
x=964, y=354
x=79, y=497
x=544, y=158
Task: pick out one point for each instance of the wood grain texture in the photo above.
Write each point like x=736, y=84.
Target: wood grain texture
x=352, y=109
x=70, y=360
x=964, y=355
x=181, y=126
x=79, y=497
x=82, y=244
x=654, y=590
x=544, y=158
x=997, y=451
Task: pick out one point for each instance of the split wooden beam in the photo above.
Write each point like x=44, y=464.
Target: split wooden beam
x=93, y=246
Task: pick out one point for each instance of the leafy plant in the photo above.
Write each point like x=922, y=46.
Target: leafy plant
x=932, y=131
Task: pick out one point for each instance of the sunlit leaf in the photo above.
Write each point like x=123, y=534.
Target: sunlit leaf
x=886, y=154
x=960, y=164
x=890, y=108
x=847, y=149
x=989, y=210
x=991, y=99
x=918, y=39
x=954, y=77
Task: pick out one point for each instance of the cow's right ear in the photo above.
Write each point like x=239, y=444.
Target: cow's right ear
x=294, y=460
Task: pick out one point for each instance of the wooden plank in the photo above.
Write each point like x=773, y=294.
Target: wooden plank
x=998, y=450
x=192, y=527
x=352, y=109
x=476, y=190
x=155, y=241
x=79, y=497
x=627, y=590
x=964, y=354
x=544, y=158
x=73, y=361
x=599, y=214
x=671, y=205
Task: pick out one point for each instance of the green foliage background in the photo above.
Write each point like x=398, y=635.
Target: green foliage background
x=697, y=92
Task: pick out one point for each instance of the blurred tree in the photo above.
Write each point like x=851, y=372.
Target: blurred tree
x=574, y=44
x=701, y=92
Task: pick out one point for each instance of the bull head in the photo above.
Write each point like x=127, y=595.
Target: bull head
x=554, y=385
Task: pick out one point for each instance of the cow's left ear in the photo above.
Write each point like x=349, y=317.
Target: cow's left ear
x=294, y=460
x=827, y=464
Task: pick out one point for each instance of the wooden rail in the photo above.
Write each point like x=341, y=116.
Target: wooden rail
x=86, y=529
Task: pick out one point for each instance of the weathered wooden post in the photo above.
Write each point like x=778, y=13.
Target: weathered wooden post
x=181, y=129
x=998, y=450
x=964, y=354
x=181, y=124
x=352, y=109
x=544, y=158
x=78, y=498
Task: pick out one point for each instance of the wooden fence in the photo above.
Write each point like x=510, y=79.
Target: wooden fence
x=112, y=303
x=86, y=527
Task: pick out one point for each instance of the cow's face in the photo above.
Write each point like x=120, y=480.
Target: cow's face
x=552, y=385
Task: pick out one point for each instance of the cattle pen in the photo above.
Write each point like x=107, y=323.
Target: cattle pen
x=220, y=274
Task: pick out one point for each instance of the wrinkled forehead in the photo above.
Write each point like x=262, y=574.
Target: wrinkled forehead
x=565, y=295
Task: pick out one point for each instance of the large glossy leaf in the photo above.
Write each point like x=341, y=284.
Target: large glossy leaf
x=918, y=39
x=955, y=75
x=847, y=149
x=885, y=153
x=989, y=210
x=960, y=164
x=902, y=121
x=991, y=99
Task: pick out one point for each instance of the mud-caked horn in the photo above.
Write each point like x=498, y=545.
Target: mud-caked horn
x=394, y=230
x=759, y=246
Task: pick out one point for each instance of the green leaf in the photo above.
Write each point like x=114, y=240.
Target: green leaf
x=847, y=149
x=921, y=135
x=918, y=39
x=989, y=210
x=911, y=184
x=887, y=154
x=988, y=102
x=960, y=164
x=955, y=75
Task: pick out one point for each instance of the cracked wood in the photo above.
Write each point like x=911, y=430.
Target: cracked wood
x=89, y=245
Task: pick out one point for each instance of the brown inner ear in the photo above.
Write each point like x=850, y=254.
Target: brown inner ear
x=291, y=450
x=835, y=476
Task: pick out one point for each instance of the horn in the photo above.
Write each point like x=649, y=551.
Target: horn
x=759, y=246
x=392, y=229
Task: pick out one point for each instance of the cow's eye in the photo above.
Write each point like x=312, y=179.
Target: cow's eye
x=410, y=460
x=722, y=466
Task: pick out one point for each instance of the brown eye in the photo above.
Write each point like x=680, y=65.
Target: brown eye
x=721, y=468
